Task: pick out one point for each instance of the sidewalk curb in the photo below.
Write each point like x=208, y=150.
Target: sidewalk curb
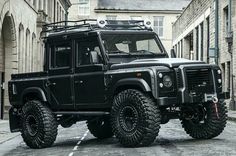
x=231, y=118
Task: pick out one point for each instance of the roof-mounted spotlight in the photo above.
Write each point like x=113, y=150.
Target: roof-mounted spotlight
x=101, y=23
x=147, y=24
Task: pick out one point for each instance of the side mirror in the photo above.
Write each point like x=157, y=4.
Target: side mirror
x=94, y=57
x=172, y=53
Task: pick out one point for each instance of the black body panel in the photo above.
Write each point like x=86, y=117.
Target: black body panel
x=75, y=81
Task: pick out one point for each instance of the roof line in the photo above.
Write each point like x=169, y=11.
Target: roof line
x=126, y=10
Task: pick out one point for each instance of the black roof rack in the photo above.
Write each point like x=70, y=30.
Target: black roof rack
x=91, y=24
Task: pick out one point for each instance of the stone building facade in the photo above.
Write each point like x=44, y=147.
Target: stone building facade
x=195, y=32
x=21, y=47
x=161, y=13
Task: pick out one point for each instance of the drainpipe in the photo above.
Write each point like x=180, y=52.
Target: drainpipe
x=216, y=31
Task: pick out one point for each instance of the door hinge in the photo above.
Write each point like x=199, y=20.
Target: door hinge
x=3, y=85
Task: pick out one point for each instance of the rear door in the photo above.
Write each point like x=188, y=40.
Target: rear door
x=61, y=75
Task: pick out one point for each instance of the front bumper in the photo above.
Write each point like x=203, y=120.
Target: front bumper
x=195, y=84
x=174, y=101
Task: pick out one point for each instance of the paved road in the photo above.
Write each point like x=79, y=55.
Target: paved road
x=172, y=141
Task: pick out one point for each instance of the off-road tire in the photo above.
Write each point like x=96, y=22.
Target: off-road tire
x=100, y=128
x=45, y=127
x=213, y=125
x=147, y=118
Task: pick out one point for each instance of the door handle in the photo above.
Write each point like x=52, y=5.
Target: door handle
x=50, y=84
x=79, y=82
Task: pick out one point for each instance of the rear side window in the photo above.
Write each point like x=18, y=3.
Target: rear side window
x=61, y=55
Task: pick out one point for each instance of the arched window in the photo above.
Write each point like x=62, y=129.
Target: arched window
x=40, y=2
x=35, y=3
x=27, y=51
x=33, y=53
x=20, y=48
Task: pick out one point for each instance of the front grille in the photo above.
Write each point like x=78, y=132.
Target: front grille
x=179, y=79
x=199, y=78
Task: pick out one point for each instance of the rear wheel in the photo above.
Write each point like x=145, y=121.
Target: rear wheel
x=135, y=118
x=39, y=125
x=100, y=128
x=207, y=121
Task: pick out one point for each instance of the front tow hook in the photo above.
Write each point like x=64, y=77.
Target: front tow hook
x=215, y=100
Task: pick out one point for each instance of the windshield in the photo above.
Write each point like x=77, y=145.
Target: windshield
x=131, y=44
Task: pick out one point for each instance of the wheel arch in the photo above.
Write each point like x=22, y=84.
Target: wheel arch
x=131, y=83
x=33, y=93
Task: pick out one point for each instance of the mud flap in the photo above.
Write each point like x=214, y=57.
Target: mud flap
x=14, y=121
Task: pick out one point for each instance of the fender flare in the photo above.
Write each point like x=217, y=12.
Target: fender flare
x=132, y=81
x=40, y=93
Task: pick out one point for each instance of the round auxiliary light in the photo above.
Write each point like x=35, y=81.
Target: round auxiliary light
x=161, y=85
x=219, y=81
x=219, y=71
x=160, y=75
x=101, y=23
x=167, y=81
x=147, y=24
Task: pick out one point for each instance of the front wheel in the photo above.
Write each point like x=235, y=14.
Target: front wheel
x=207, y=120
x=39, y=125
x=135, y=118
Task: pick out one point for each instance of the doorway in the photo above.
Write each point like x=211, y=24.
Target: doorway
x=1, y=94
x=8, y=63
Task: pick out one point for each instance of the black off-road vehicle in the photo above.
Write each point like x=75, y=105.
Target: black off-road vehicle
x=117, y=76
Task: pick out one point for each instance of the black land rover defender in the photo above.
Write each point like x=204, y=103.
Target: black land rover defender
x=117, y=76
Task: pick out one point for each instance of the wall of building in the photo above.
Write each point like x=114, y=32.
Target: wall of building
x=169, y=18
x=21, y=46
x=203, y=12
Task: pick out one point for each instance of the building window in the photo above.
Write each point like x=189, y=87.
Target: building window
x=136, y=17
x=111, y=17
x=181, y=49
x=226, y=20
x=27, y=50
x=57, y=11
x=197, y=43
x=34, y=3
x=20, y=48
x=228, y=76
x=208, y=38
x=60, y=14
x=201, y=44
x=33, y=51
x=84, y=7
x=158, y=25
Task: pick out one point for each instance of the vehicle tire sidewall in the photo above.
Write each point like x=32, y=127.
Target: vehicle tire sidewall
x=135, y=137
x=32, y=110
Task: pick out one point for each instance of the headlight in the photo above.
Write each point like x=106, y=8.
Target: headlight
x=167, y=81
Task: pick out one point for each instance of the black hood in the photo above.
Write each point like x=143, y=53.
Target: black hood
x=168, y=62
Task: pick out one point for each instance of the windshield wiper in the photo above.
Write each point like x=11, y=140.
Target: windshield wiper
x=119, y=52
x=146, y=51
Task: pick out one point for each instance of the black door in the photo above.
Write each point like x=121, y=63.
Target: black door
x=1, y=94
x=61, y=76
x=89, y=77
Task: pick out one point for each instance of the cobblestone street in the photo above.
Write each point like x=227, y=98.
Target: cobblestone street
x=172, y=141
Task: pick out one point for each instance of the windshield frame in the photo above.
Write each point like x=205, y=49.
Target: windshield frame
x=157, y=39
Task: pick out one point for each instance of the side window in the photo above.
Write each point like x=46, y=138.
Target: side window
x=61, y=55
x=83, y=53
